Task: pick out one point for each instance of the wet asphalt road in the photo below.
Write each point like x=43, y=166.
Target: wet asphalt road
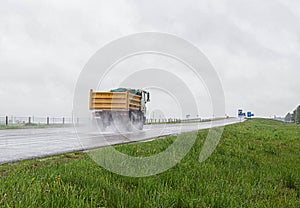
x=21, y=144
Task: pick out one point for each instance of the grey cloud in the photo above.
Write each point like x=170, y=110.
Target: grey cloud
x=254, y=46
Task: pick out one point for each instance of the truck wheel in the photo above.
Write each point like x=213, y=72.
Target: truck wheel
x=128, y=126
x=140, y=125
x=138, y=121
x=100, y=124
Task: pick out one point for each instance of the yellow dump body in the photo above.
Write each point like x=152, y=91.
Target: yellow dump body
x=114, y=101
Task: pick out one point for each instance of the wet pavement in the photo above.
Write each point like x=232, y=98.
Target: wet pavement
x=21, y=144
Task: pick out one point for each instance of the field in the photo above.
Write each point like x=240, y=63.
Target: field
x=256, y=164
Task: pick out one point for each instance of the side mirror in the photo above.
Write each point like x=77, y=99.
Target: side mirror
x=148, y=97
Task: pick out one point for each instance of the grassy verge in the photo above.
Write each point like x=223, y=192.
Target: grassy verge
x=256, y=164
x=32, y=126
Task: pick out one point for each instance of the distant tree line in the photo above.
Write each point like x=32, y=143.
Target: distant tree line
x=294, y=117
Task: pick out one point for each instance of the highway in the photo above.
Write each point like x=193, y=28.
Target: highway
x=21, y=144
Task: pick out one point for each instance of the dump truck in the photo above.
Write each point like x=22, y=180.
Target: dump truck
x=123, y=108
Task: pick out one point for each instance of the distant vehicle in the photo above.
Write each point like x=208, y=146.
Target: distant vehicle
x=241, y=114
x=124, y=108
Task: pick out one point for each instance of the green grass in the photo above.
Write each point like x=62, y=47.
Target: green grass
x=32, y=126
x=256, y=164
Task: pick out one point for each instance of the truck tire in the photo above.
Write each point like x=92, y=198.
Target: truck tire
x=140, y=125
x=137, y=120
x=100, y=124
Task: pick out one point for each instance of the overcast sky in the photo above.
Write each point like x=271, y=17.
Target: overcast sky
x=253, y=45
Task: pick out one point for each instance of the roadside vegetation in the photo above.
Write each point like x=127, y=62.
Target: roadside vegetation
x=256, y=164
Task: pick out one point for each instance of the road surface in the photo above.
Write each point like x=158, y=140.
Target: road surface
x=21, y=144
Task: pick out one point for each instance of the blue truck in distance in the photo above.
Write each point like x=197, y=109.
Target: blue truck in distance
x=242, y=114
